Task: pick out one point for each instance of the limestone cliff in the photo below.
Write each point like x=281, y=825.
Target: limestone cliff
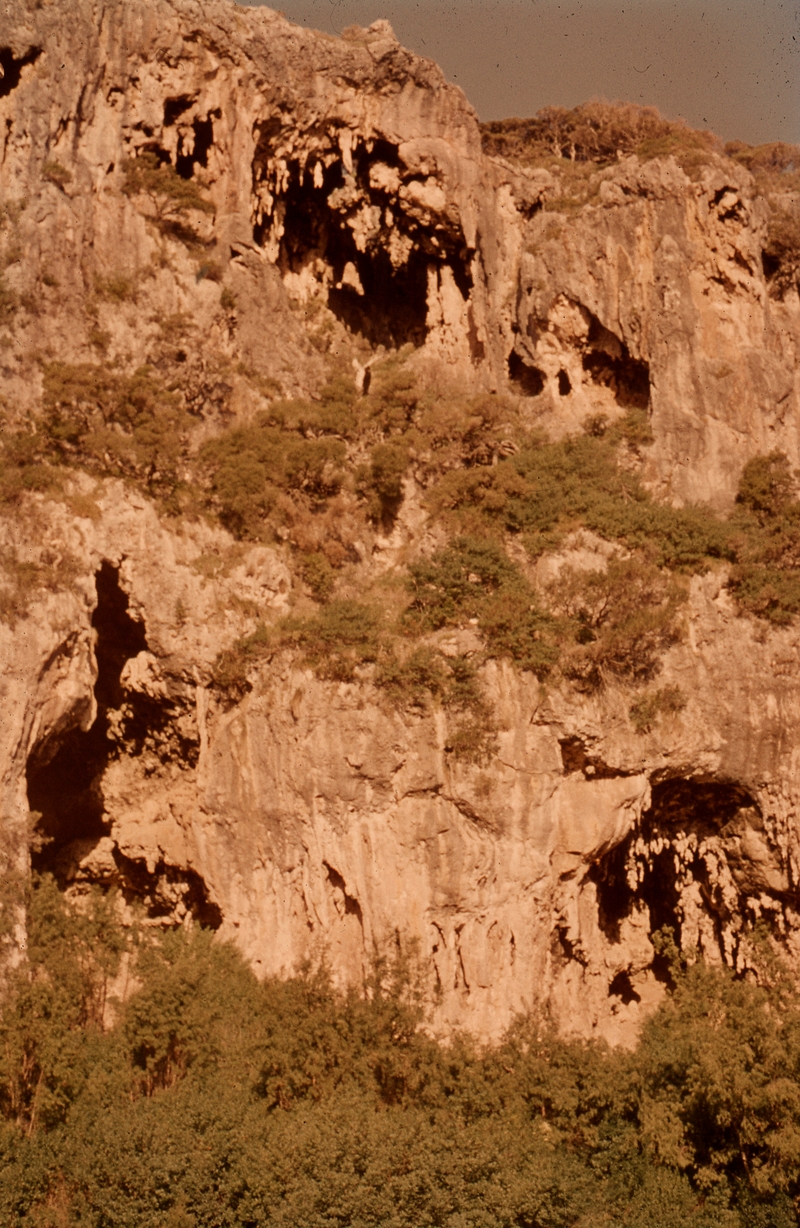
x=339, y=208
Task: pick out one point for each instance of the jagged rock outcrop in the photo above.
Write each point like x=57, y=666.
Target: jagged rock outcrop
x=349, y=188
x=313, y=820
x=341, y=206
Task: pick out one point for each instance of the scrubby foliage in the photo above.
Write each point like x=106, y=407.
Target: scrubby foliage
x=172, y=197
x=489, y=482
x=206, y=1099
x=623, y=620
x=653, y=704
x=578, y=142
x=474, y=581
x=321, y=475
x=100, y=420
x=597, y=132
x=776, y=169
x=766, y=578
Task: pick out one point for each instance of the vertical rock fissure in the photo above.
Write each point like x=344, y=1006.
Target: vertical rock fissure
x=65, y=773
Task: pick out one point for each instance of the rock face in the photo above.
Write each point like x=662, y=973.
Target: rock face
x=354, y=213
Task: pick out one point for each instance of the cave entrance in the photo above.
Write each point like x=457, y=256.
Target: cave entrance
x=355, y=232
x=384, y=302
x=65, y=774
x=12, y=68
x=529, y=380
x=608, y=362
x=691, y=865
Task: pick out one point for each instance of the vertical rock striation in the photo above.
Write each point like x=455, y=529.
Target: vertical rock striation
x=336, y=203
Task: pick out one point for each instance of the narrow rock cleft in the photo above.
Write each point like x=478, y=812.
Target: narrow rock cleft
x=66, y=777
x=65, y=774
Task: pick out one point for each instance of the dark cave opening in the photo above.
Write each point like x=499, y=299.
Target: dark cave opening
x=608, y=362
x=378, y=284
x=622, y=987
x=203, y=130
x=175, y=107
x=564, y=385
x=185, y=163
x=670, y=850
x=164, y=888
x=529, y=380
x=64, y=774
x=393, y=307
x=382, y=303
x=12, y=68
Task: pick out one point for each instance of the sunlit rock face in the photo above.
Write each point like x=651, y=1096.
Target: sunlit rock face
x=353, y=213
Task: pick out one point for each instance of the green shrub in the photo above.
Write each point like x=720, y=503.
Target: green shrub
x=647, y=709
x=232, y=666
x=622, y=619
x=473, y=580
x=597, y=132
x=765, y=579
x=26, y=580
x=385, y=480
x=148, y=175
x=781, y=253
x=111, y=423
x=318, y=574
x=422, y=676
x=209, y=1098
x=57, y=174
x=341, y=637
x=249, y=468
x=547, y=489
x=23, y=466
x=173, y=198
x=766, y=487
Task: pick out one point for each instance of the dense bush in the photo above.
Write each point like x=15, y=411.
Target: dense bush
x=766, y=577
x=208, y=1099
x=547, y=489
x=597, y=132
x=172, y=197
x=623, y=620
x=649, y=707
x=99, y=419
x=473, y=580
x=252, y=469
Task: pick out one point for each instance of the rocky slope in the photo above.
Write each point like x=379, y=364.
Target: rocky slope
x=337, y=208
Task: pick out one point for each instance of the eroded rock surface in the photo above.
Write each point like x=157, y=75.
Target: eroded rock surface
x=350, y=210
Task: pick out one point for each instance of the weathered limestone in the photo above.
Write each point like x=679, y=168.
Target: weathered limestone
x=354, y=212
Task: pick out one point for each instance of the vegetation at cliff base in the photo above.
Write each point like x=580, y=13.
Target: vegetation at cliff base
x=205, y=1099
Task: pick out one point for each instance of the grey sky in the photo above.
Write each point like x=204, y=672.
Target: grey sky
x=729, y=65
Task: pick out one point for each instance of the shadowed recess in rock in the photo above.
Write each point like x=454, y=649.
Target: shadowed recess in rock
x=64, y=774
x=348, y=228
x=705, y=866
x=608, y=362
x=168, y=893
x=11, y=68
x=529, y=380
